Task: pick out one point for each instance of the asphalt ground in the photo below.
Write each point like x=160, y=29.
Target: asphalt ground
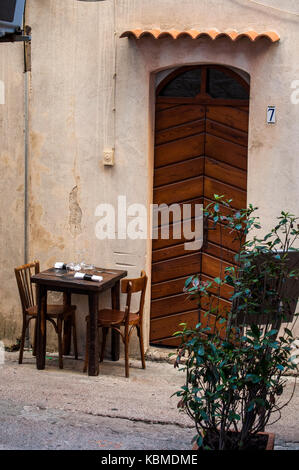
x=65, y=409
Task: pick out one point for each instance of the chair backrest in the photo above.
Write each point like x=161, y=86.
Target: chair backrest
x=23, y=277
x=132, y=286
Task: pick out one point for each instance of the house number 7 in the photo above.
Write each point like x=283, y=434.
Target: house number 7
x=271, y=114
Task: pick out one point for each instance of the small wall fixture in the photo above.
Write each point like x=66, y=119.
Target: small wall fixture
x=108, y=157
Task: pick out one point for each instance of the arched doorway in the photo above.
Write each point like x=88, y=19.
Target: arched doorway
x=201, y=146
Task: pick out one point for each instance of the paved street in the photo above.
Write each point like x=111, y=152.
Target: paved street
x=54, y=409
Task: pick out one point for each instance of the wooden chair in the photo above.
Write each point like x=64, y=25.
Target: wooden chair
x=56, y=314
x=115, y=319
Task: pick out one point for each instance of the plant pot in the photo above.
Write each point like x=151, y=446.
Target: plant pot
x=269, y=445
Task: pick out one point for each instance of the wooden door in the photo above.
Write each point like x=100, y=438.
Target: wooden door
x=201, y=141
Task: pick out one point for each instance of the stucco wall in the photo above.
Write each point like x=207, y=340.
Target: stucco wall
x=91, y=91
x=11, y=187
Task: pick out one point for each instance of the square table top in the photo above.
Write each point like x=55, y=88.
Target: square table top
x=61, y=279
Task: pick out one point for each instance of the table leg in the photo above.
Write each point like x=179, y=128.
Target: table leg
x=93, y=333
x=67, y=327
x=115, y=337
x=41, y=327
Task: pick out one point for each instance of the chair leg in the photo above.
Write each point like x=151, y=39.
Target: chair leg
x=34, y=339
x=22, y=341
x=104, y=337
x=86, y=350
x=75, y=335
x=141, y=344
x=59, y=333
x=126, y=341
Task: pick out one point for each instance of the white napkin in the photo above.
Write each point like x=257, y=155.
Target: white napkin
x=93, y=278
x=59, y=265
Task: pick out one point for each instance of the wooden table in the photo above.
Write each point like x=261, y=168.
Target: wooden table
x=63, y=281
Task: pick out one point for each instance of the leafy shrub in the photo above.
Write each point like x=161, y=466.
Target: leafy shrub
x=235, y=360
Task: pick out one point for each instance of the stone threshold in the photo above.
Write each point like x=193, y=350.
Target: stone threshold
x=157, y=354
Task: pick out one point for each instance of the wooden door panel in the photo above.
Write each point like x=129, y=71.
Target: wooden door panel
x=180, y=191
x=170, y=305
x=200, y=151
x=220, y=252
x=230, y=116
x=225, y=291
x=213, y=267
x=176, y=286
x=179, y=132
x=172, y=247
x=221, y=235
x=168, y=252
x=226, y=152
x=179, y=171
x=182, y=303
x=178, y=151
x=171, y=342
x=167, y=288
x=180, y=250
x=176, y=267
x=165, y=327
x=226, y=173
x=176, y=235
x=163, y=106
x=238, y=196
x=217, y=306
x=178, y=115
x=177, y=215
x=227, y=133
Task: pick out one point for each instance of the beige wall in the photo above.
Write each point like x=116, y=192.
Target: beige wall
x=11, y=186
x=76, y=112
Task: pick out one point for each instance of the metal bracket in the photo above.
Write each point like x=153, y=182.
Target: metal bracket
x=18, y=36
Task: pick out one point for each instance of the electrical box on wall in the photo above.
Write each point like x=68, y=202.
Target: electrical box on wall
x=108, y=158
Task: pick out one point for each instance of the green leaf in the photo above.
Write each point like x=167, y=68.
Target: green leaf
x=288, y=332
x=199, y=440
x=274, y=345
x=251, y=406
x=229, y=280
x=253, y=378
x=255, y=331
x=204, y=415
x=271, y=333
x=188, y=281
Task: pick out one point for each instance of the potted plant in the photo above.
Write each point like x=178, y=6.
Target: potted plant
x=235, y=361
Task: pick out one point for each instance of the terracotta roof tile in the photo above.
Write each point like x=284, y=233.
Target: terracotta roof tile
x=195, y=34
